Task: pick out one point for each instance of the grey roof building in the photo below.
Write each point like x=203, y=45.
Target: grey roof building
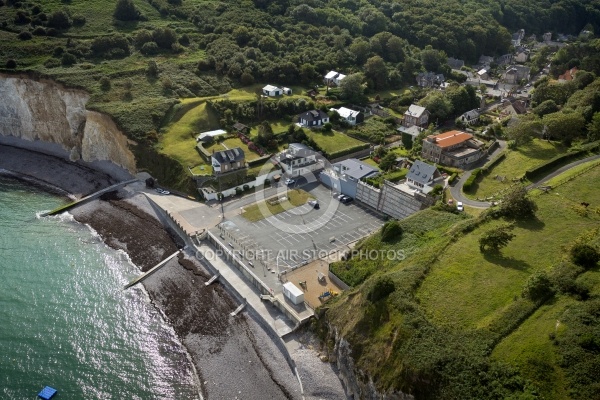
x=228, y=160
x=423, y=176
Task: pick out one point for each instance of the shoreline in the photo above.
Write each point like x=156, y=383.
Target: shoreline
x=215, y=343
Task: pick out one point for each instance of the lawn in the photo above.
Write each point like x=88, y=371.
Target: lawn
x=258, y=211
x=178, y=141
x=370, y=162
x=467, y=289
x=332, y=142
x=514, y=166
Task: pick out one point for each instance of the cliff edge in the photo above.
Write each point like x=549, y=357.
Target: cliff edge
x=44, y=110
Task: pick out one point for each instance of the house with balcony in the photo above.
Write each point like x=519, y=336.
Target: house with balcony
x=297, y=159
x=423, y=176
x=453, y=148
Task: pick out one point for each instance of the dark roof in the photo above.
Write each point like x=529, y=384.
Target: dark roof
x=313, y=115
x=229, y=156
x=238, y=126
x=421, y=172
x=355, y=168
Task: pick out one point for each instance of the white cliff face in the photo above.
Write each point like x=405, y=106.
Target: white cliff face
x=46, y=111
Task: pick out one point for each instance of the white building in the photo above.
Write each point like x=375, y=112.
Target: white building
x=352, y=117
x=272, y=91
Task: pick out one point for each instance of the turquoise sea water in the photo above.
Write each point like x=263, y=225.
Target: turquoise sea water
x=65, y=320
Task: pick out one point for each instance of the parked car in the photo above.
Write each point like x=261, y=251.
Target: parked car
x=459, y=206
x=290, y=181
x=340, y=197
x=346, y=199
x=314, y=204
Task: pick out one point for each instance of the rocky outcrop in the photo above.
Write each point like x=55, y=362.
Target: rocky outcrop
x=356, y=382
x=44, y=110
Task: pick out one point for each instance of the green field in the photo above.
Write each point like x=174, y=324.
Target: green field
x=295, y=198
x=513, y=167
x=333, y=141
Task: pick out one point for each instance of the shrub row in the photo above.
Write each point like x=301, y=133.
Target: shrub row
x=347, y=151
x=487, y=168
x=471, y=179
x=557, y=161
x=452, y=178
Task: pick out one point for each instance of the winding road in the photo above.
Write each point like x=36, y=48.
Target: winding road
x=458, y=195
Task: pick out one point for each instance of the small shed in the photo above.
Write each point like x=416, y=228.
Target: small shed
x=47, y=393
x=287, y=90
x=204, y=136
x=293, y=293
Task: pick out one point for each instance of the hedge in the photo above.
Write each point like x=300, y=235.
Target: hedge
x=452, y=178
x=557, y=161
x=469, y=182
x=486, y=168
x=349, y=150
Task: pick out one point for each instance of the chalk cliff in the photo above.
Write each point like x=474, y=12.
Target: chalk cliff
x=44, y=110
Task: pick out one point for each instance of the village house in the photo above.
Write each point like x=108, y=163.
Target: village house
x=517, y=37
x=516, y=73
x=522, y=56
x=455, y=63
x=352, y=117
x=343, y=177
x=333, y=78
x=429, y=79
x=297, y=159
x=228, y=160
x=313, y=118
x=483, y=74
x=504, y=59
x=569, y=75
x=470, y=117
x=423, y=177
x=414, y=131
x=547, y=37
x=241, y=128
x=273, y=91
x=485, y=61
x=416, y=115
x=454, y=148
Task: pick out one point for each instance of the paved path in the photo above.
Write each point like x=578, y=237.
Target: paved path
x=457, y=193
x=456, y=189
x=561, y=170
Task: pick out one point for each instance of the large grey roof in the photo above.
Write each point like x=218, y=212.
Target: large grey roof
x=355, y=168
x=421, y=172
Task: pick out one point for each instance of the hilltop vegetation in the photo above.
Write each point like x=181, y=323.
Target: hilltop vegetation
x=139, y=58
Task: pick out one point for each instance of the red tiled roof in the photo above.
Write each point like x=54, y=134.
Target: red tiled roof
x=568, y=75
x=451, y=138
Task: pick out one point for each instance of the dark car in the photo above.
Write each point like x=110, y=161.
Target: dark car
x=346, y=199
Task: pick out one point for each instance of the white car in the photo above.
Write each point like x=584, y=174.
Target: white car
x=289, y=181
x=459, y=206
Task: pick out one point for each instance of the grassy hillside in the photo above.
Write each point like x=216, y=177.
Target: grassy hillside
x=457, y=324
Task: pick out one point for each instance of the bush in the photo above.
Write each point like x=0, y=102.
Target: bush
x=105, y=83
x=39, y=31
x=59, y=20
x=25, y=35
x=383, y=287
x=538, y=287
x=68, y=59
x=494, y=239
x=126, y=11
x=390, y=231
x=585, y=255
x=110, y=45
x=452, y=178
x=11, y=64
x=79, y=20
x=149, y=48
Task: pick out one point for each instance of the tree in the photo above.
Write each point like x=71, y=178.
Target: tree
x=516, y=204
x=11, y=64
x=438, y=105
x=545, y=107
x=594, y=128
x=526, y=128
x=125, y=11
x=382, y=288
x=152, y=69
x=376, y=73
x=390, y=231
x=265, y=134
x=584, y=255
x=307, y=73
x=387, y=162
x=361, y=50
x=564, y=126
x=432, y=59
x=352, y=89
x=407, y=140
x=495, y=239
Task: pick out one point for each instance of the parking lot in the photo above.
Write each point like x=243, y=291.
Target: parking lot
x=299, y=235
